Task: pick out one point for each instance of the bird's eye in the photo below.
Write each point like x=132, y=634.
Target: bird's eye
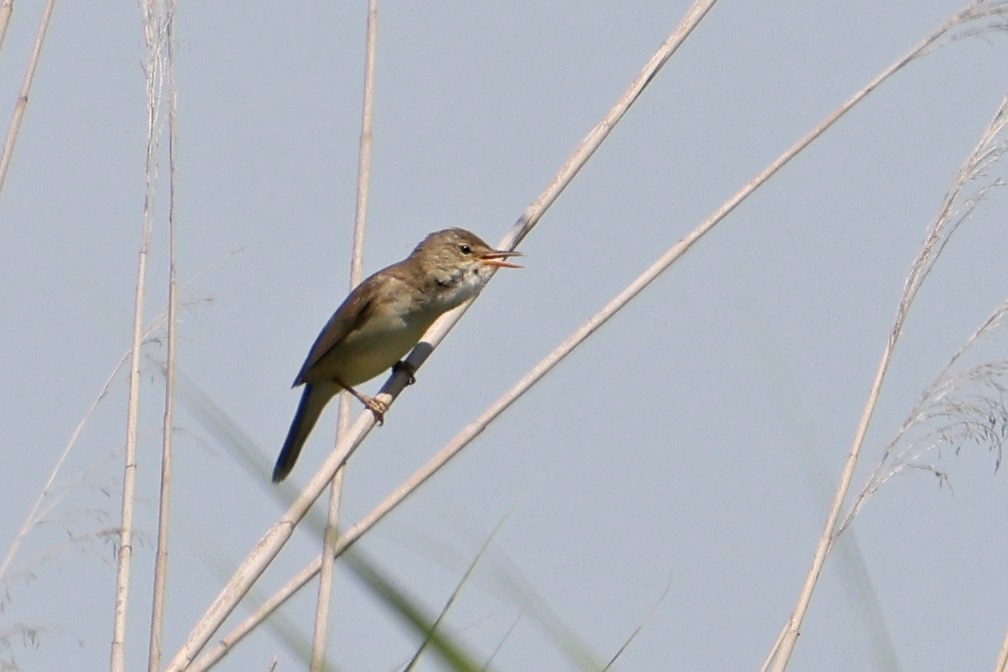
x=465, y=249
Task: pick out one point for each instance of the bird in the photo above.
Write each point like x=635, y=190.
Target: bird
x=381, y=320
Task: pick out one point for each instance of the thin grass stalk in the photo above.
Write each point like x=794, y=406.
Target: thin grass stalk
x=164, y=497
x=640, y=626
x=453, y=597
x=503, y=640
x=780, y=654
x=277, y=536
x=125, y=554
x=356, y=273
x=409, y=613
x=6, y=8
x=22, y=101
x=36, y=511
x=553, y=626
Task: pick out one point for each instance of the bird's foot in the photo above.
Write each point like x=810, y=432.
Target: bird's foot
x=410, y=370
x=373, y=405
x=376, y=407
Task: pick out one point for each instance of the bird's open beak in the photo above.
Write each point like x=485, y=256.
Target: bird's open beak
x=497, y=258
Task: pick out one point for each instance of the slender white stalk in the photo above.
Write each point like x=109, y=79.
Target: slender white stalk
x=125, y=554
x=1002, y=663
x=364, y=152
x=324, y=598
x=6, y=8
x=957, y=208
x=780, y=653
x=36, y=511
x=601, y=131
x=277, y=536
x=153, y=71
x=164, y=498
x=22, y=101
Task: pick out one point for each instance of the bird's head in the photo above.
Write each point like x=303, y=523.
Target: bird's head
x=459, y=260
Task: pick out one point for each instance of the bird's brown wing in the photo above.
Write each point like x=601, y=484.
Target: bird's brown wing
x=351, y=313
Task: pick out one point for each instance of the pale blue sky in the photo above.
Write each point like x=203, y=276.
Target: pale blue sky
x=693, y=442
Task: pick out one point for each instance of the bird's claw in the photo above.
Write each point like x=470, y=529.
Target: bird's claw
x=378, y=408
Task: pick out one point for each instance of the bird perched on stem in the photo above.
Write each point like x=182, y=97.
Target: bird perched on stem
x=382, y=319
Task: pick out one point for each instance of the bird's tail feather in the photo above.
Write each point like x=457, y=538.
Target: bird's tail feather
x=313, y=400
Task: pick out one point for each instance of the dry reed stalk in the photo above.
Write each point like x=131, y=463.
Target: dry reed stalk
x=164, y=495
x=22, y=101
x=6, y=9
x=323, y=600
x=976, y=19
x=1002, y=663
x=959, y=405
x=153, y=71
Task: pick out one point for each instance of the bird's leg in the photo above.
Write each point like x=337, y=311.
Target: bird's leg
x=375, y=406
x=403, y=365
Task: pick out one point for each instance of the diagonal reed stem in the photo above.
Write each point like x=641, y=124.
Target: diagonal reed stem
x=22, y=101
